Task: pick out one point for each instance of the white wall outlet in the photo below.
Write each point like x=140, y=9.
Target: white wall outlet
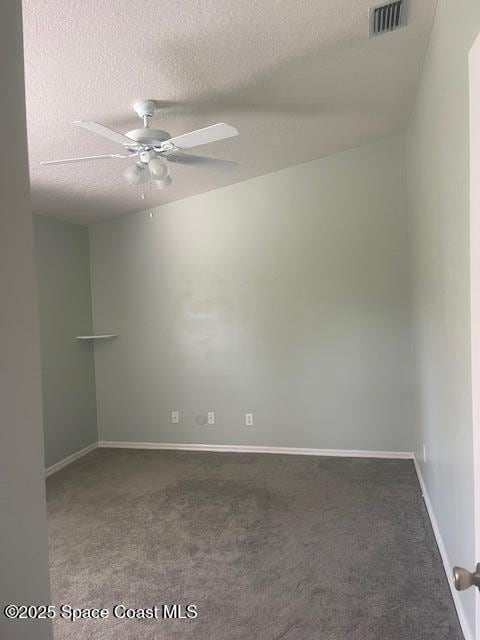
x=211, y=417
x=249, y=419
x=174, y=417
x=424, y=449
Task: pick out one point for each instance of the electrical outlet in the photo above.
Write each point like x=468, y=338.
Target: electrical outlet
x=249, y=419
x=211, y=417
x=424, y=452
x=174, y=417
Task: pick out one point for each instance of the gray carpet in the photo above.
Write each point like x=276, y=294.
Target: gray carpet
x=268, y=547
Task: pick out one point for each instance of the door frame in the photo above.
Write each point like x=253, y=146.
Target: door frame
x=474, y=106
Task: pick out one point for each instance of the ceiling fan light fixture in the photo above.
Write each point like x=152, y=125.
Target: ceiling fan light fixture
x=160, y=174
x=136, y=173
x=158, y=168
x=163, y=182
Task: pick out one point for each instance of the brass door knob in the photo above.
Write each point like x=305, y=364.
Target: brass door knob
x=464, y=579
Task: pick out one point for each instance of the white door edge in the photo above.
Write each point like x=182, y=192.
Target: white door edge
x=474, y=72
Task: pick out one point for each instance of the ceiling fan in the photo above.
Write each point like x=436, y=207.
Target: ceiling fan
x=153, y=149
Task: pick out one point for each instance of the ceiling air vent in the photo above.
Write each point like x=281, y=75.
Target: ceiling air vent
x=386, y=17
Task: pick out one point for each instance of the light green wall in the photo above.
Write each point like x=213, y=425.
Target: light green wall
x=23, y=521
x=68, y=376
x=286, y=295
x=438, y=150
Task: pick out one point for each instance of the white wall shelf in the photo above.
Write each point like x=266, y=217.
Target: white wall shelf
x=100, y=336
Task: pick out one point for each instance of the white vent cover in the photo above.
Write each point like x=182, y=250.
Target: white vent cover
x=386, y=17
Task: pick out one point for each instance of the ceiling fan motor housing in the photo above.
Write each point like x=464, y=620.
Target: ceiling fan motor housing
x=149, y=137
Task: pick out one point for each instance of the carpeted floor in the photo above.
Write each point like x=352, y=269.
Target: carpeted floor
x=267, y=547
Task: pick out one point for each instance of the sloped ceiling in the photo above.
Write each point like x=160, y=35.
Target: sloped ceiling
x=300, y=80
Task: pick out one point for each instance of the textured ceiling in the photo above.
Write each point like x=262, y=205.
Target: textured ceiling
x=299, y=80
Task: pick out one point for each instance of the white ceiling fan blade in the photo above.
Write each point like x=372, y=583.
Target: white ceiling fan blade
x=196, y=138
x=214, y=164
x=84, y=159
x=104, y=131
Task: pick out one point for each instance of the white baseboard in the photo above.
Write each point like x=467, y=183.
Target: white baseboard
x=69, y=459
x=340, y=453
x=467, y=631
